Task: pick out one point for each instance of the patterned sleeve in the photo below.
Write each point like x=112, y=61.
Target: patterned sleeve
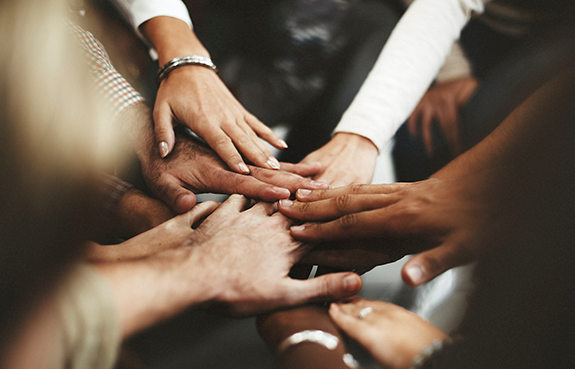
x=110, y=85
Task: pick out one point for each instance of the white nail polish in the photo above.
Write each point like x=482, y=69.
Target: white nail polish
x=273, y=163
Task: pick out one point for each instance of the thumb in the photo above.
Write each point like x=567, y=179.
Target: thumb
x=333, y=286
x=174, y=195
x=163, y=129
x=427, y=265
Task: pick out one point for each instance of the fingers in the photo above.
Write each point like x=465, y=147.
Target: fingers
x=250, y=145
x=335, y=207
x=265, y=132
x=426, y=130
x=304, y=195
x=427, y=265
x=173, y=194
x=286, y=180
x=224, y=147
x=201, y=211
x=301, y=169
x=328, y=287
x=163, y=129
x=366, y=224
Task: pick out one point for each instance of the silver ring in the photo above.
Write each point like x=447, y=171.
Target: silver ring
x=363, y=312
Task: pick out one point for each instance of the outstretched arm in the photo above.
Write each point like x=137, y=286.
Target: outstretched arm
x=237, y=260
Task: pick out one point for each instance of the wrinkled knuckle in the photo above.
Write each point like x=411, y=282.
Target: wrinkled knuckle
x=357, y=188
x=342, y=202
x=348, y=221
x=222, y=141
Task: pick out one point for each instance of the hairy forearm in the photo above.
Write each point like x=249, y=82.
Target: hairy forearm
x=171, y=38
x=137, y=128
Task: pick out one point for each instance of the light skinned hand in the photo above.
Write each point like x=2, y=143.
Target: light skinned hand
x=346, y=159
x=442, y=103
x=170, y=234
x=392, y=334
x=440, y=220
x=196, y=97
x=194, y=168
x=249, y=253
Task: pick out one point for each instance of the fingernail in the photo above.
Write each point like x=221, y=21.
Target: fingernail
x=298, y=228
x=283, y=144
x=163, y=149
x=319, y=184
x=415, y=273
x=334, y=307
x=243, y=168
x=351, y=283
x=284, y=192
x=273, y=163
x=286, y=203
x=303, y=192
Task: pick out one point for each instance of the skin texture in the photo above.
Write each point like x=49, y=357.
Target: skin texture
x=442, y=216
x=346, y=159
x=237, y=261
x=196, y=97
x=393, y=335
x=442, y=104
x=168, y=235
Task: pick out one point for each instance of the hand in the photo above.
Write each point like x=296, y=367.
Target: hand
x=346, y=159
x=393, y=335
x=442, y=103
x=194, y=167
x=248, y=255
x=168, y=235
x=137, y=212
x=197, y=97
x=442, y=220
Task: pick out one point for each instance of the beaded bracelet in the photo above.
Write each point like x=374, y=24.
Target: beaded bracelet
x=180, y=61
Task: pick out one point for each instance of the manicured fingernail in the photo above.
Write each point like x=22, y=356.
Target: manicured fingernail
x=243, y=168
x=319, y=185
x=273, y=163
x=283, y=144
x=351, y=283
x=286, y=203
x=415, y=273
x=163, y=149
x=298, y=228
x=303, y=192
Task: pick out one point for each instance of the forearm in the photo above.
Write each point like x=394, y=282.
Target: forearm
x=152, y=289
x=171, y=38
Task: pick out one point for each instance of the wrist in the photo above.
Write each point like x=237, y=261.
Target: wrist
x=364, y=143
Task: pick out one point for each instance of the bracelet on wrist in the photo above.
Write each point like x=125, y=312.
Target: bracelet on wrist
x=181, y=61
x=325, y=339
x=422, y=360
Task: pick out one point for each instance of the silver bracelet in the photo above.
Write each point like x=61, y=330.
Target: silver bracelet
x=323, y=338
x=180, y=61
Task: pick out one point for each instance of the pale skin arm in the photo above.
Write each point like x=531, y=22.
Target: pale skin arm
x=196, y=97
x=393, y=335
x=237, y=260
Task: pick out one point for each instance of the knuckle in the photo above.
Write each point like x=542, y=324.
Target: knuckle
x=342, y=202
x=348, y=221
x=357, y=188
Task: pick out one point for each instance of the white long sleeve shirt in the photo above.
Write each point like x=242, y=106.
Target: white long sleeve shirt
x=139, y=11
x=407, y=65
